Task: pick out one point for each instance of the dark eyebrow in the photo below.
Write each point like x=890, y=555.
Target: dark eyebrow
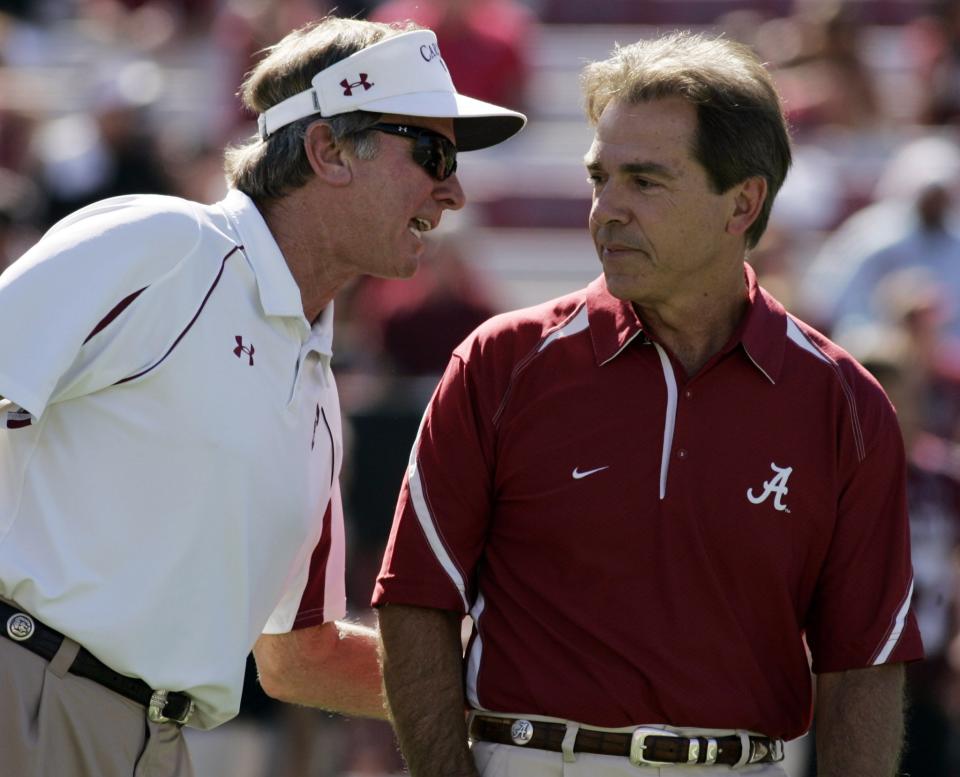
x=635, y=168
x=647, y=168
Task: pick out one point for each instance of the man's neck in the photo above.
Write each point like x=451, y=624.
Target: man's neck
x=307, y=252
x=696, y=329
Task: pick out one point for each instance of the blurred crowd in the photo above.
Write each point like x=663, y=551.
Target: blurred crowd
x=107, y=97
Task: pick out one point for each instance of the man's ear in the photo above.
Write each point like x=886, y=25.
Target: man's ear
x=327, y=156
x=749, y=196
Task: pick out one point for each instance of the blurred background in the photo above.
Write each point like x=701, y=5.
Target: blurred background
x=106, y=97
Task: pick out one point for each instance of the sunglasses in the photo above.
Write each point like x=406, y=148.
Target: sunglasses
x=431, y=150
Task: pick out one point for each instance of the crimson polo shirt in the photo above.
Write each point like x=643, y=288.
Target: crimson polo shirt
x=636, y=547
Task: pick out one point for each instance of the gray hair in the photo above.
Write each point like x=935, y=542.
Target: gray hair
x=741, y=131
x=268, y=169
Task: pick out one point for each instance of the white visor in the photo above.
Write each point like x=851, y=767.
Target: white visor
x=404, y=74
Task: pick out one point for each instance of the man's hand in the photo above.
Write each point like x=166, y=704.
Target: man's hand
x=423, y=674
x=332, y=666
x=859, y=716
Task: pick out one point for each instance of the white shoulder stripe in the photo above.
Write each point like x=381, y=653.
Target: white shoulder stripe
x=422, y=511
x=797, y=336
x=898, y=624
x=576, y=324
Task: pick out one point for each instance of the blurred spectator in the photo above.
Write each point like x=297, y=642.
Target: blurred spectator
x=820, y=70
x=241, y=31
x=934, y=43
x=933, y=499
x=910, y=225
x=15, y=138
x=913, y=302
x=485, y=43
x=19, y=207
x=85, y=157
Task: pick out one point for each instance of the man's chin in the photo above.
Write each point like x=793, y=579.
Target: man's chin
x=408, y=269
x=619, y=286
x=401, y=271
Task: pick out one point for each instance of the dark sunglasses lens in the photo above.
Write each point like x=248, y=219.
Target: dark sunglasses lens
x=437, y=155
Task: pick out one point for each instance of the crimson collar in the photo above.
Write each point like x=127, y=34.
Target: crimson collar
x=614, y=323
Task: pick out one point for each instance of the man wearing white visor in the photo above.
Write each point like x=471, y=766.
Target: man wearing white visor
x=170, y=439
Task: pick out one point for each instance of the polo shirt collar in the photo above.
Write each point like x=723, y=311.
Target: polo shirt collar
x=321, y=334
x=764, y=333
x=614, y=323
x=279, y=293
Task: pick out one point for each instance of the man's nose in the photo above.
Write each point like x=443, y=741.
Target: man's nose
x=449, y=193
x=606, y=206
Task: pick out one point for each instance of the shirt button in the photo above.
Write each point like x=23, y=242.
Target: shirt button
x=688, y=394
x=682, y=453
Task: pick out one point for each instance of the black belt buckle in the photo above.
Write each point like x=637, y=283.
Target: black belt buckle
x=157, y=709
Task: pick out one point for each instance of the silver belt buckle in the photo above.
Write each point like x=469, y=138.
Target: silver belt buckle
x=158, y=700
x=638, y=743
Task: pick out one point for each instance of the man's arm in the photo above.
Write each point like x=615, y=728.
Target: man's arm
x=332, y=666
x=423, y=674
x=859, y=716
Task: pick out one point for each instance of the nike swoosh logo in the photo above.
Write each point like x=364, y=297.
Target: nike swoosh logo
x=577, y=474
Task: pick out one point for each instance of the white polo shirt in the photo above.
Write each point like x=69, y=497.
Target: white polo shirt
x=170, y=442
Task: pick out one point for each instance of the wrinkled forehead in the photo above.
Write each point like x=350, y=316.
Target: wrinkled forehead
x=656, y=131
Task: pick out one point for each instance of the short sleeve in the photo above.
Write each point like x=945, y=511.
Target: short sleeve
x=59, y=296
x=861, y=614
x=444, y=507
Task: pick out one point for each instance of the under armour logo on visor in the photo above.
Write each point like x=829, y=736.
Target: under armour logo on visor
x=243, y=349
x=348, y=87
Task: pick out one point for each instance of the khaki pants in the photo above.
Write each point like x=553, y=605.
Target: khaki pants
x=494, y=760
x=55, y=724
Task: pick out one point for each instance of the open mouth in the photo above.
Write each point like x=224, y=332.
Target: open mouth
x=418, y=226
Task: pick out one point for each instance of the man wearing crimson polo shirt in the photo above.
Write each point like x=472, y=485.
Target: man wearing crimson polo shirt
x=654, y=494
x=170, y=440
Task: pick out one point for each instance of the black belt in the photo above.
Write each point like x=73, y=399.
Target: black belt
x=162, y=706
x=642, y=746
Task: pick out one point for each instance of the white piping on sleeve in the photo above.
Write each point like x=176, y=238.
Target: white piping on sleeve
x=670, y=418
x=897, y=630
x=427, y=523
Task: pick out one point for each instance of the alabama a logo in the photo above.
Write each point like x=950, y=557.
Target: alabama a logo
x=777, y=485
